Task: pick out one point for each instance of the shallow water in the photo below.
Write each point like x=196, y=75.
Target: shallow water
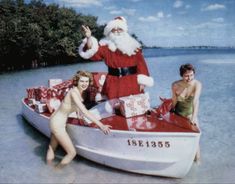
x=23, y=148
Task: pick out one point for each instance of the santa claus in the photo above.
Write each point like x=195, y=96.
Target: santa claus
x=127, y=69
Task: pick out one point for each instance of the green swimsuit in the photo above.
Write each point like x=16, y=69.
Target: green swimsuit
x=184, y=106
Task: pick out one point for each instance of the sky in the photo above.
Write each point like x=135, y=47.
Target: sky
x=167, y=23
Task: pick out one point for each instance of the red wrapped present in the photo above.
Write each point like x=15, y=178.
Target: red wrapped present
x=41, y=94
x=164, y=107
x=63, y=88
x=99, y=79
x=31, y=92
x=134, y=105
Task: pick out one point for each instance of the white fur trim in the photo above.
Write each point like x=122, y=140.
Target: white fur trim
x=145, y=80
x=115, y=23
x=110, y=44
x=90, y=52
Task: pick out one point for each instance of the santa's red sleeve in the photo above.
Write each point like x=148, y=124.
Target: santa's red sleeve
x=94, y=53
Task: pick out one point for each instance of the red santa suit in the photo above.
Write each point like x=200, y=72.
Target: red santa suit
x=118, y=86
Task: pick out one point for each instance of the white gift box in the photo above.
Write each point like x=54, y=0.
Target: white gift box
x=32, y=101
x=134, y=105
x=40, y=107
x=54, y=82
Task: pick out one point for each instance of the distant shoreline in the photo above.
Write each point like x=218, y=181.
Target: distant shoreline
x=190, y=47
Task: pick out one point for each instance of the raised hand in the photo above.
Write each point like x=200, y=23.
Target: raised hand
x=87, y=31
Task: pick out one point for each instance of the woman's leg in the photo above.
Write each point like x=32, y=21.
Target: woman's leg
x=51, y=148
x=65, y=141
x=197, y=158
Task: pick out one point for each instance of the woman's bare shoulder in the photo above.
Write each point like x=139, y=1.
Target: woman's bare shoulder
x=198, y=83
x=176, y=83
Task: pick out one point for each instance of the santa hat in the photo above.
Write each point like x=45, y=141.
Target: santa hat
x=119, y=22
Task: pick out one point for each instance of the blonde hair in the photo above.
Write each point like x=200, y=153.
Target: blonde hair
x=80, y=74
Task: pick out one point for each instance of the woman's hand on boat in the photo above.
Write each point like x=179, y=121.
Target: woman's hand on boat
x=105, y=128
x=87, y=31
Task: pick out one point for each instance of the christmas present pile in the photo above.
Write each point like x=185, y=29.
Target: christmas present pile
x=48, y=99
x=134, y=105
x=62, y=88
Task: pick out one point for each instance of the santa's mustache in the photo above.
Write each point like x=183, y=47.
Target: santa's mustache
x=124, y=42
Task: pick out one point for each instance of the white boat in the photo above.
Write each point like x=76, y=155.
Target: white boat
x=143, y=144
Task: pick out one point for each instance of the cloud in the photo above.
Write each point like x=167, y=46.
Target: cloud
x=109, y=7
x=212, y=7
x=178, y=4
x=180, y=28
x=81, y=3
x=123, y=11
x=151, y=18
x=187, y=6
x=160, y=14
x=148, y=19
x=219, y=19
x=129, y=11
x=168, y=15
x=208, y=25
x=116, y=12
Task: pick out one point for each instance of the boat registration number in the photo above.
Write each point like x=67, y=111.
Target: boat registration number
x=150, y=144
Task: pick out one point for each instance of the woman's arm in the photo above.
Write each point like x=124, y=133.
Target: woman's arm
x=82, y=108
x=196, y=102
x=174, y=96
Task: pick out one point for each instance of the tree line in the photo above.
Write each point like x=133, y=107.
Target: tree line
x=35, y=34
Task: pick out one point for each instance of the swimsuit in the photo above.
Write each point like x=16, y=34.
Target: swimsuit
x=184, y=106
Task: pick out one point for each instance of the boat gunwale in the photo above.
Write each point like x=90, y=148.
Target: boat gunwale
x=185, y=134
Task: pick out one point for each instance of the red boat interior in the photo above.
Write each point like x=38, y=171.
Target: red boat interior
x=148, y=122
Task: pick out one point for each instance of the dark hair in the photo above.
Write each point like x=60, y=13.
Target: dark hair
x=184, y=68
x=80, y=74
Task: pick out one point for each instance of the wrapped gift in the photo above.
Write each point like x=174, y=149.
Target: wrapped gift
x=40, y=107
x=140, y=123
x=164, y=107
x=54, y=82
x=99, y=79
x=31, y=93
x=134, y=105
x=63, y=88
x=51, y=93
x=41, y=94
x=32, y=101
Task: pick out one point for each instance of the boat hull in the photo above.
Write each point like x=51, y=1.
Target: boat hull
x=162, y=154
x=169, y=154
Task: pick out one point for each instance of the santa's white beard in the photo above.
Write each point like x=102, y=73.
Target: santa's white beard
x=124, y=42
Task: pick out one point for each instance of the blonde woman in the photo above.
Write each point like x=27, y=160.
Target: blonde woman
x=72, y=102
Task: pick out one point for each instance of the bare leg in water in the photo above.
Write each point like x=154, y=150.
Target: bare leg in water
x=65, y=141
x=197, y=158
x=51, y=149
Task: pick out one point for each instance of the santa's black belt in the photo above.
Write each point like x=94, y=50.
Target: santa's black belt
x=122, y=71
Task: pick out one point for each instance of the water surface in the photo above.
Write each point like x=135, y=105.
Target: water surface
x=23, y=148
